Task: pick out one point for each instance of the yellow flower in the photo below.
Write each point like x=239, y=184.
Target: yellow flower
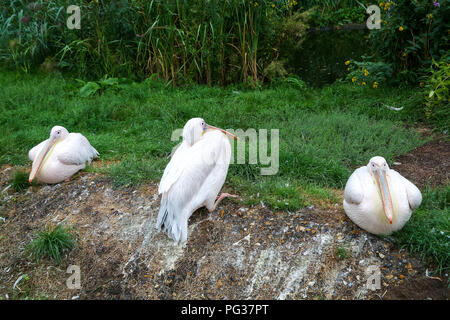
x=347, y=62
x=375, y=84
x=348, y=69
x=430, y=16
x=366, y=73
x=256, y=4
x=381, y=4
x=400, y=28
x=363, y=83
x=404, y=54
x=273, y=5
x=353, y=79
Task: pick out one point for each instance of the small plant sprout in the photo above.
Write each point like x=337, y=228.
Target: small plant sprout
x=343, y=253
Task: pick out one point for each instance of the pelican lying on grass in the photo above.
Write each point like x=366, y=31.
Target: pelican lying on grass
x=379, y=199
x=60, y=156
x=193, y=177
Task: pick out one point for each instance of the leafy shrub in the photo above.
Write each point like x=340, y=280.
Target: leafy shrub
x=89, y=88
x=338, y=17
x=437, y=97
x=411, y=34
x=368, y=73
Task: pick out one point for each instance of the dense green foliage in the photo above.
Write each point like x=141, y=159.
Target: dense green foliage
x=336, y=13
x=411, y=34
x=182, y=41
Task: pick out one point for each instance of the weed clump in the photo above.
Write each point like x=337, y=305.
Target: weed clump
x=52, y=242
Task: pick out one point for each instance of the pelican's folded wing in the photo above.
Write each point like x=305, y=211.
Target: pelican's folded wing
x=413, y=193
x=35, y=150
x=76, y=150
x=354, y=192
x=174, y=169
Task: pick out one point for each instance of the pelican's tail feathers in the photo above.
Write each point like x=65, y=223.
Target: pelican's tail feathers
x=172, y=222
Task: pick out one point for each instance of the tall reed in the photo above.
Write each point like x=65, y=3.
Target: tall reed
x=182, y=41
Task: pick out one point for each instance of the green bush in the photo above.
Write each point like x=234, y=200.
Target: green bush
x=368, y=73
x=412, y=33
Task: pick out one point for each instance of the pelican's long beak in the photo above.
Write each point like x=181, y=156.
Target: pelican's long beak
x=386, y=198
x=223, y=131
x=41, y=157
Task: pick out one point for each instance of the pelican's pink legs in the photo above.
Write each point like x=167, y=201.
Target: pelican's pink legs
x=221, y=197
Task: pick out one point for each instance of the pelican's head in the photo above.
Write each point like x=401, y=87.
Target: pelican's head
x=196, y=127
x=57, y=134
x=379, y=169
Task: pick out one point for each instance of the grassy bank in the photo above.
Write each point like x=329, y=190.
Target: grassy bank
x=324, y=133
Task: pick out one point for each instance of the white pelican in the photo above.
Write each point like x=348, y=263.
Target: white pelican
x=378, y=199
x=193, y=177
x=60, y=156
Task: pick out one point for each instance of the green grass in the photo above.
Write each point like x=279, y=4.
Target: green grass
x=324, y=133
x=428, y=230
x=52, y=242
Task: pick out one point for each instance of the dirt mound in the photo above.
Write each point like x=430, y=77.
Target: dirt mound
x=237, y=252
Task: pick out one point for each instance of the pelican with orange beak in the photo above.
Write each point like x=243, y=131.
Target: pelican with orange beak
x=60, y=156
x=193, y=177
x=378, y=199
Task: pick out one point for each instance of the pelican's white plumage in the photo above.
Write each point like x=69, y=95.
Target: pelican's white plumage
x=364, y=202
x=60, y=156
x=193, y=177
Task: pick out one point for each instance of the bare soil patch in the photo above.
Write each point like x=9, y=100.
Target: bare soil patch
x=426, y=165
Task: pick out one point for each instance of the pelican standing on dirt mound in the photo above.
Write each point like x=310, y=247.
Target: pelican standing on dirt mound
x=193, y=177
x=378, y=199
x=60, y=156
